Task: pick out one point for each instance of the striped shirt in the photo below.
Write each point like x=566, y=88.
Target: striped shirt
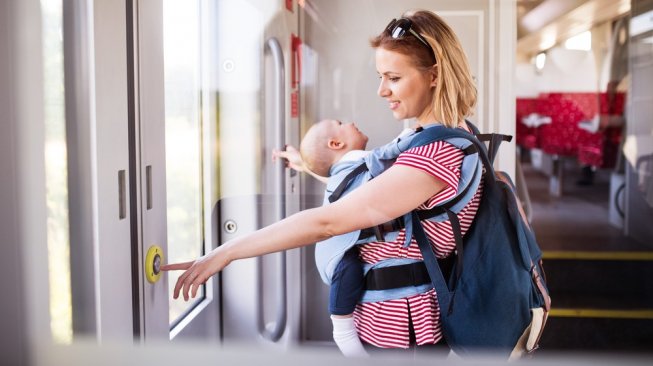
x=385, y=324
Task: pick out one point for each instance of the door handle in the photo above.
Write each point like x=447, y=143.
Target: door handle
x=122, y=195
x=148, y=187
x=275, y=330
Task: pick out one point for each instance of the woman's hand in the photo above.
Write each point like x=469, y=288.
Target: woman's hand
x=197, y=272
x=294, y=159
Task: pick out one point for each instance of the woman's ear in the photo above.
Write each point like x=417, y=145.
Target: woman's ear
x=433, y=74
x=334, y=144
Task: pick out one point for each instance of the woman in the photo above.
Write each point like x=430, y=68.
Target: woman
x=424, y=75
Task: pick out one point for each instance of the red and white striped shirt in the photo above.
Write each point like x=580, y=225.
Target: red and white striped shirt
x=385, y=324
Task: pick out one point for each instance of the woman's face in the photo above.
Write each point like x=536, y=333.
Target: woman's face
x=408, y=90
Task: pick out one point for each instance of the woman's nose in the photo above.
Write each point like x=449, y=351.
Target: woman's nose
x=383, y=91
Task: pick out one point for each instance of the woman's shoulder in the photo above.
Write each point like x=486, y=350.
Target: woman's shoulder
x=440, y=150
x=439, y=159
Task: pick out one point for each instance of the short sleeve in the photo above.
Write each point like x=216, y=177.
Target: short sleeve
x=439, y=159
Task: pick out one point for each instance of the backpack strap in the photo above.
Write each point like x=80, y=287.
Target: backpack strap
x=445, y=296
x=494, y=139
x=438, y=210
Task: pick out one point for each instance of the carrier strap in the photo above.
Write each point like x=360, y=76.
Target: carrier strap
x=345, y=182
x=385, y=278
x=412, y=274
x=379, y=231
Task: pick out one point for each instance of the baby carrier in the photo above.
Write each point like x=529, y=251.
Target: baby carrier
x=347, y=176
x=492, y=293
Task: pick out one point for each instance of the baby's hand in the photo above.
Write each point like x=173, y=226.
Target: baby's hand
x=292, y=156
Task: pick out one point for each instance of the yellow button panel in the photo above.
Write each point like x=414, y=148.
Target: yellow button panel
x=153, y=262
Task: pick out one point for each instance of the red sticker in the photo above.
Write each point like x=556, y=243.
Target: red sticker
x=294, y=104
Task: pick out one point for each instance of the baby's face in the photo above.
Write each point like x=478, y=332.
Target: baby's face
x=349, y=134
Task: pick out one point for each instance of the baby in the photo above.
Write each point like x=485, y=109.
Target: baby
x=327, y=143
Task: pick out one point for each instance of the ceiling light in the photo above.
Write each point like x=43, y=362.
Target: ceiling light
x=581, y=42
x=540, y=60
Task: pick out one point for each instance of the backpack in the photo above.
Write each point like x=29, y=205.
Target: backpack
x=495, y=298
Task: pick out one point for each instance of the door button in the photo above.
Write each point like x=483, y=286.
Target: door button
x=230, y=226
x=153, y=261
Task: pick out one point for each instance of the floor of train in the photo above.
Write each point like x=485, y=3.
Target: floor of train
x=601, y=281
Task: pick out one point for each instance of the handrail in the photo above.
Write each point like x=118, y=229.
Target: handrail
x=274, y=331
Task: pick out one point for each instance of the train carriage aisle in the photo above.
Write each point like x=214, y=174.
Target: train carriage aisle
x=600, y=280
x=583, y=129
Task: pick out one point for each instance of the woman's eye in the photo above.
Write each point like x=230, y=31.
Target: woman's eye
x=389, y=78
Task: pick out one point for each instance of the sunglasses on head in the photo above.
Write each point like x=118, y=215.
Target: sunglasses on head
x=398, y=27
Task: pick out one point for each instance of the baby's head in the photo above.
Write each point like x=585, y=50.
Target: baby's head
x=327, y=141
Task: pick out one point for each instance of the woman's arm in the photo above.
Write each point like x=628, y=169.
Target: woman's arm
x=397, y=191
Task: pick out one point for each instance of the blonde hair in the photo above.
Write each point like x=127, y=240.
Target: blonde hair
x=455, y=93
x=314, y=149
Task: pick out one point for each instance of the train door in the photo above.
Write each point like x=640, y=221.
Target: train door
x=257, y=93
x=172, y=162
x=213, y=96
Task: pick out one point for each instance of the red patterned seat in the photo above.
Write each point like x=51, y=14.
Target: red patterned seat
x=602, y=148
x=526, y=137
x=563, y=136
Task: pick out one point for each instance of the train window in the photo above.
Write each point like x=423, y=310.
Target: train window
x=183, y=142
x=56, y=168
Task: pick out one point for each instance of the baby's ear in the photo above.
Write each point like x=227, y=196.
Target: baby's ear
x=334, y=144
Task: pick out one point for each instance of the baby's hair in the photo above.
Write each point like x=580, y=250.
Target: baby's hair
x=314, y=149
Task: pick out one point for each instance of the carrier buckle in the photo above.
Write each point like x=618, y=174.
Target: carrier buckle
x=379, y=231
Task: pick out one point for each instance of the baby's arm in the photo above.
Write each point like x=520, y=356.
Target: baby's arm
x=295, y=161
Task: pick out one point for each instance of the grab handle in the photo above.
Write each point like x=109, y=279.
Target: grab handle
x=274, y=331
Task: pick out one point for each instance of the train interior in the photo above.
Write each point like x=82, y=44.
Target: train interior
x=597, y=255
x=140, y=132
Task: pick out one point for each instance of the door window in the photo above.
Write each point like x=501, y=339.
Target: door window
x=56, y=172
x=183, y=142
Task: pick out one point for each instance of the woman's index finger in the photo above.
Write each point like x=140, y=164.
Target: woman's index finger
x=177, y=266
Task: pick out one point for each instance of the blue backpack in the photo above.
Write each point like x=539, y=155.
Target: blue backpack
x=495, y=297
